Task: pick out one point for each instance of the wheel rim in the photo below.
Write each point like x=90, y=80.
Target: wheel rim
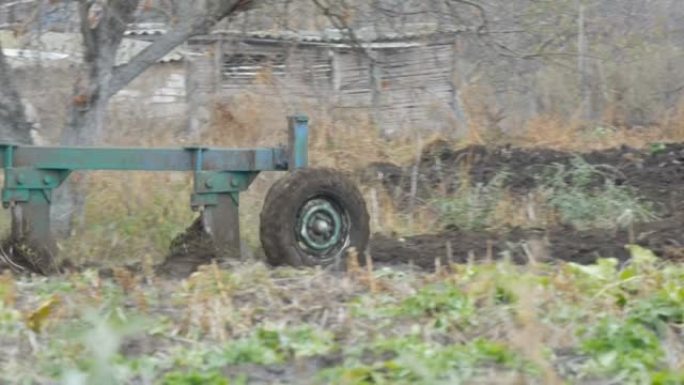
x=322, y=228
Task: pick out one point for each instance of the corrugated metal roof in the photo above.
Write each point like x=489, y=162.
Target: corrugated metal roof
x=368, y=37
x=339, y=39
x=12, y=3
x=131, y=47
x=408, y=34
x=146, y=29
x=67, y=46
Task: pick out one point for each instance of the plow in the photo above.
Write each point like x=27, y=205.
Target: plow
x=310, y=217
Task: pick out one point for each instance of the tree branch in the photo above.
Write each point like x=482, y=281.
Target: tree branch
x=480, y=9
x=89, y=39
x=339, y=22
x=192, y=26
x=117, y=15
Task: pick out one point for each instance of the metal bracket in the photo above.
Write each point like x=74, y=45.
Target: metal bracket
x=216, y=194
x=210, y=184
x=21, y=181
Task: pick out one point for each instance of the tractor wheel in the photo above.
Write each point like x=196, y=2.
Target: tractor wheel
x=311, y=217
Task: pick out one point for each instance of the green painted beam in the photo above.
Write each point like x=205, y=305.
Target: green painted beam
x=298, y=138
x=144, y=159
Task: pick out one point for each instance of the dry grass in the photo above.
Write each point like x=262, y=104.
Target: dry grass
x=559, y=134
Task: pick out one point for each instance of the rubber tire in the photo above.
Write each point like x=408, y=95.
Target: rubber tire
x=289, y=194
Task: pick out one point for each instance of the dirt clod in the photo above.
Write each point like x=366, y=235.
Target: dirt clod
x=20, y=256
x=188, y=251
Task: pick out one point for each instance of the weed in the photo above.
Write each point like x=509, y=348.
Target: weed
x=444, y=304
x=264, y=346
x=627, y=349
x=658, y=312
x=471, y=207
x=586, y=197
x=198, y=378
x=579, y=194
x=418, y=362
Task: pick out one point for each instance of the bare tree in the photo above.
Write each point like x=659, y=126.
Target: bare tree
x=103, y=25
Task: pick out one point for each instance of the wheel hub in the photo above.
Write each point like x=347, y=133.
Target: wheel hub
x=320, y=226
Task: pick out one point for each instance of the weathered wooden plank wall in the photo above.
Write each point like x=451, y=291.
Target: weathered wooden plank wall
x=401, y=87
x=303, y=71
x=414, y=83
x=353, y=85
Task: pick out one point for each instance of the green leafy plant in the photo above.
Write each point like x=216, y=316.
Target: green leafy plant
x=417, y=362
x=658, y=312
x=472, y=207
x=444, y=304
x=657, y=148
x=264, y=346
x=197, y=378
x=628, y=349
x=586, y=196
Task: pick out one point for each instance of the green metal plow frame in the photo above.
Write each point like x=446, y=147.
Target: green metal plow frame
x=220, y=174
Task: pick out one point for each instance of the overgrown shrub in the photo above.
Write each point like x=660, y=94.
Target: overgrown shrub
x=586, y=196
x=471, y=207
x=579, y=194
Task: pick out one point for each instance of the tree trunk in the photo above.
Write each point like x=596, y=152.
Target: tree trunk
x=86, y=127
x=582, y=69
x=88, y=108
x=14, y=126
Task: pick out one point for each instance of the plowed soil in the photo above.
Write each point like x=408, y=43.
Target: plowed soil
x=657, y=176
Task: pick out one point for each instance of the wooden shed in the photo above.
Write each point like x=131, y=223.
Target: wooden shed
x=402, y=80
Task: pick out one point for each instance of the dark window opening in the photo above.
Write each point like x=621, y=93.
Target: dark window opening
x=246, y=67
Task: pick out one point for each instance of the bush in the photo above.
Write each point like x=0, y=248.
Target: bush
x=586, y=196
